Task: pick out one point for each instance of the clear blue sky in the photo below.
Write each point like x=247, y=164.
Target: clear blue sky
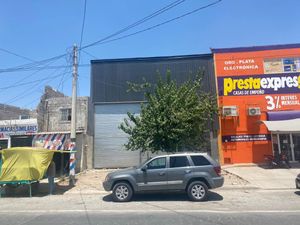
x=42, y=29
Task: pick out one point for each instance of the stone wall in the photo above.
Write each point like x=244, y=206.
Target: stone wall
x=53, y=121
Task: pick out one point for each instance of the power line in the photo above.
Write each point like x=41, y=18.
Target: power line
x=26, y=105
x=63, y=79
x=82, y=28
x=32, y=82
x=143, y=20
x=28, y=76
x=152, y=15
x=47, y=68
x=158, y=25
x=89, y=54
x=105, y=39
x=15, y=54
x=31, y=65
x=31, y=89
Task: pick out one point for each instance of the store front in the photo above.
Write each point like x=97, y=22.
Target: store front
x=17, y=133
x=285, y=137
x=288, y=142
x=259, y=99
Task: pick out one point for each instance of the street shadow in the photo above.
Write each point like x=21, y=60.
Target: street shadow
x=37, y=190
x=148, y=197
x=297, y=193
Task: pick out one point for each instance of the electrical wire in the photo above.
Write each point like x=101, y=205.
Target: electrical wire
x=82, y=28
x=143, y=20
x=31, y=89
x=30, y=82
x=89, y=54
x=155, y=26
x=102, y=41
x=49, y=68
x=31, y=65
x=15, y=54
x=63, y=79
x=27, y=105
x=25, y=78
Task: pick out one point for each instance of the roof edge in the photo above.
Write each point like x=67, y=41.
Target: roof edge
x=155, y=58
x=254, y=48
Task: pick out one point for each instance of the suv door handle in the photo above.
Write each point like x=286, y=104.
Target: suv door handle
x=162, y=173
x=188, y=171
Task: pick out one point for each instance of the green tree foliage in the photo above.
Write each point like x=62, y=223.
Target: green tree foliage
x=174, y=117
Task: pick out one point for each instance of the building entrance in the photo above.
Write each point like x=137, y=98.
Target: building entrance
x=288, y=143
x=296, y=145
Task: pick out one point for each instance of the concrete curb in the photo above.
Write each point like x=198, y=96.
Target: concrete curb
x=241, y=165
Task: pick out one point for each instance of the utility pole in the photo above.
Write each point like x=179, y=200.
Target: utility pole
x=74, y=94
x=73, y=117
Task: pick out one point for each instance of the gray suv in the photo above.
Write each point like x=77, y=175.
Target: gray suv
x=193, y=173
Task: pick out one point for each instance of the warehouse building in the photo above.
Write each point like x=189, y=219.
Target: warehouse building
x=111, y=100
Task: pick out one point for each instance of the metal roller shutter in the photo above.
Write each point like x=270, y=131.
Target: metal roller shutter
x=109, y=151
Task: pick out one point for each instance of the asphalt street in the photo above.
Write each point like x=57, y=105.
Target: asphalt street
x=151, y=217
x=225, y=206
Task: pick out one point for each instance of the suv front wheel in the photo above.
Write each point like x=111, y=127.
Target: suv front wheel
x=122, y=192
x=197, y=191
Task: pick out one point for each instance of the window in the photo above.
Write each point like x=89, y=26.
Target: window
x=65, y=114
x=24, y=117
x=200, y=160
x=178, y=161
x=158, y=163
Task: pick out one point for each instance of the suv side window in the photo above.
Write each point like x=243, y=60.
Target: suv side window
x=179, y=161
x=199, y=160
x=158, y=163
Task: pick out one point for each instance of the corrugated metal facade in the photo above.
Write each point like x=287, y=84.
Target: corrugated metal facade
x=110, y=77
x=109, y=140
x=109, y=84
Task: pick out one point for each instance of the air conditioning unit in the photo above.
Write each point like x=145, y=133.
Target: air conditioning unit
x=229, y=111
x=254, y=111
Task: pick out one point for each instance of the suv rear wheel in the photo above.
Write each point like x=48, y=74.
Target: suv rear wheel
x=197, y=191
x=122, y=192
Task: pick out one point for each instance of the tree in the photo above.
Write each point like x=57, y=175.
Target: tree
x=174, y=117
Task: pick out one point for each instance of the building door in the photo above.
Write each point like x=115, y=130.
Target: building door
x=4, y=143
x=109, y=139
x=296, y=145
x=285, y=145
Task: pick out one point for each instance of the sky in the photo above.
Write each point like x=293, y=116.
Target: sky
x=35, y=30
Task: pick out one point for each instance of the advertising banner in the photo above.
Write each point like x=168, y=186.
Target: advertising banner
x=272, y=79
x=17, y=127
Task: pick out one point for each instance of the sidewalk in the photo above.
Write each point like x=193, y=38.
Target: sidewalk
x=87, y=182
x=267, y=179
x=90, y=182
x=236, y=177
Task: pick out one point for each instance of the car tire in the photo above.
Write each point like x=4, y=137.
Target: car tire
x=122, y=192
x=197, y=191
